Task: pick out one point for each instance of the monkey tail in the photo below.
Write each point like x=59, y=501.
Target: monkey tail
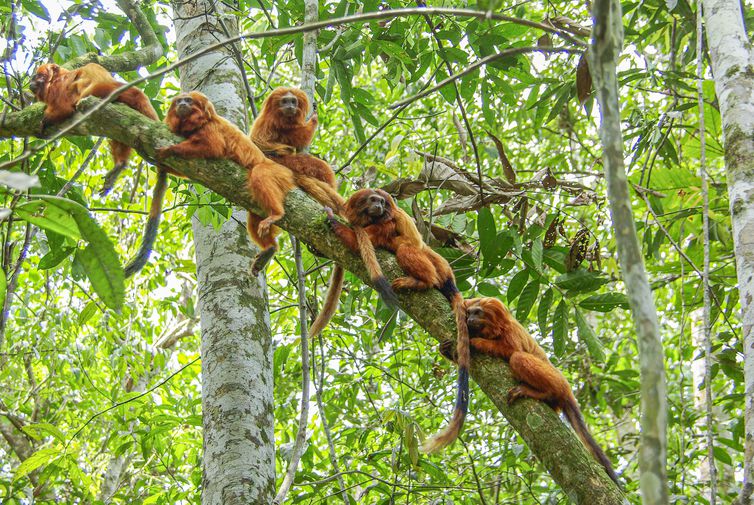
x=575, y=419
x=331, y=302
x=368, y=256
x=153, y=222
x=448, y=435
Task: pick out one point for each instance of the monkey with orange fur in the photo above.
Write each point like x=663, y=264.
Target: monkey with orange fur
x=61, y=90
x=378, y=222
x=495, y=332
x=282, y=131
x=208, y=135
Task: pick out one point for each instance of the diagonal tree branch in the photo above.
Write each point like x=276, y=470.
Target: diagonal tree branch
x=556, y=446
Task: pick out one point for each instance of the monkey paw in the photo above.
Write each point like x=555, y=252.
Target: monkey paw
x=514, y=394
x=448, y=350
x=161, y=153
x=329, y=213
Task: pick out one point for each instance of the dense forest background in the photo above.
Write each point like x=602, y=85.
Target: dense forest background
x=100, y=378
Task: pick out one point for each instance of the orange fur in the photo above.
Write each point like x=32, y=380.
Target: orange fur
x=61, y=90
x=208, y=135
x=282, y=132
x=373, y=213
x=495, y=332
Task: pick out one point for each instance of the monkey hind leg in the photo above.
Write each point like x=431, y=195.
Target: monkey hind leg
x=541, y=380
x=321, y=192
x=420, y=271
x=266, y=242
x=120, y=153
x=309, y=166
x=269, y=183
x=137, y=100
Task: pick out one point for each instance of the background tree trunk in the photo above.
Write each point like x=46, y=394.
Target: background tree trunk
x=237, y=404
x=731, y=57
x=606, y=46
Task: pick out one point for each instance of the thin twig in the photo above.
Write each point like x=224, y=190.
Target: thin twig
x=298, y=446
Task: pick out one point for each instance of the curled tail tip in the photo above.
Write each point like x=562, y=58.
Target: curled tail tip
x=445, y=437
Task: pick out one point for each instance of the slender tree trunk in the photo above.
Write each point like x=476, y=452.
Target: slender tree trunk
x=731, y=57
x=606, y=46
x=239, y=441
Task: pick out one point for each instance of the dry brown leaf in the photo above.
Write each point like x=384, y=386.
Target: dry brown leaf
x=510, y=174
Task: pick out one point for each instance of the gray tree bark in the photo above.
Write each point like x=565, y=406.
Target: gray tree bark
x=237, y=403
x=731, y=57
x=606, y=46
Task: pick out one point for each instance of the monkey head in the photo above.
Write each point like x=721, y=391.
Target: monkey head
x=369, y=206
x=486, y=317
x=289, y=104
x=189, y=112
x=42, y=78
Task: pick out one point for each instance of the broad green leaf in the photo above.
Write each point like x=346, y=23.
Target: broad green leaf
x=55, y=257
x=605, y=302
x=580, y=280
x=105, y=273
x=50, y=217
x=545, y=304
x=87, y=313
x=41, y=457
x=560, y=327
x=526, y=300
x=536, y=254
x=488, y=243
x=517, y=285
x=39, y=430
x=587, y=335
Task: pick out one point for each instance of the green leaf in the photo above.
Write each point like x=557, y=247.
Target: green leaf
x=587, y=335
x=544, y=310
x=517, y=284
x=37, y=8
x=526, y=300
x=536, y=254
x=580, y=280
x=87, y=313
x=36, y=460
x=105, y=273
x=488, y=243
x=98, y=259
x=55, y=257
x=50, y=217
x=722, y=455
x=560, y=327
x=605, y=302
x=39, y=430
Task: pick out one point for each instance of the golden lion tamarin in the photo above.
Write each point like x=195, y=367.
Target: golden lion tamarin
x=208, y=135
x=282, y=131
x=61, y=90
x=495, y=332
x=390, y=228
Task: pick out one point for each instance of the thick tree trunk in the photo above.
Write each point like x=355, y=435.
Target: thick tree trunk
x=731, y=57
x=606, y=46
x=237, y=404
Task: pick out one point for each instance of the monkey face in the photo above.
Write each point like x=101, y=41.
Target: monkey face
x=189, y=112
x=45, y=74
x=369, y=206
x=475, y=318
x=288, y=105
x=183, y=105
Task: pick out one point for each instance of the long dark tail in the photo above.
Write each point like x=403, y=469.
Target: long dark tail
x=448, y=435
x=368, y=256
x=150, y=231
x=574, y=417
x=331, y=302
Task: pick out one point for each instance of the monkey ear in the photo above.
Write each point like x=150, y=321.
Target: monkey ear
x=209, y=110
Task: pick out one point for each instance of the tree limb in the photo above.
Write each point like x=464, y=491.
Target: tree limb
x=554, y=444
